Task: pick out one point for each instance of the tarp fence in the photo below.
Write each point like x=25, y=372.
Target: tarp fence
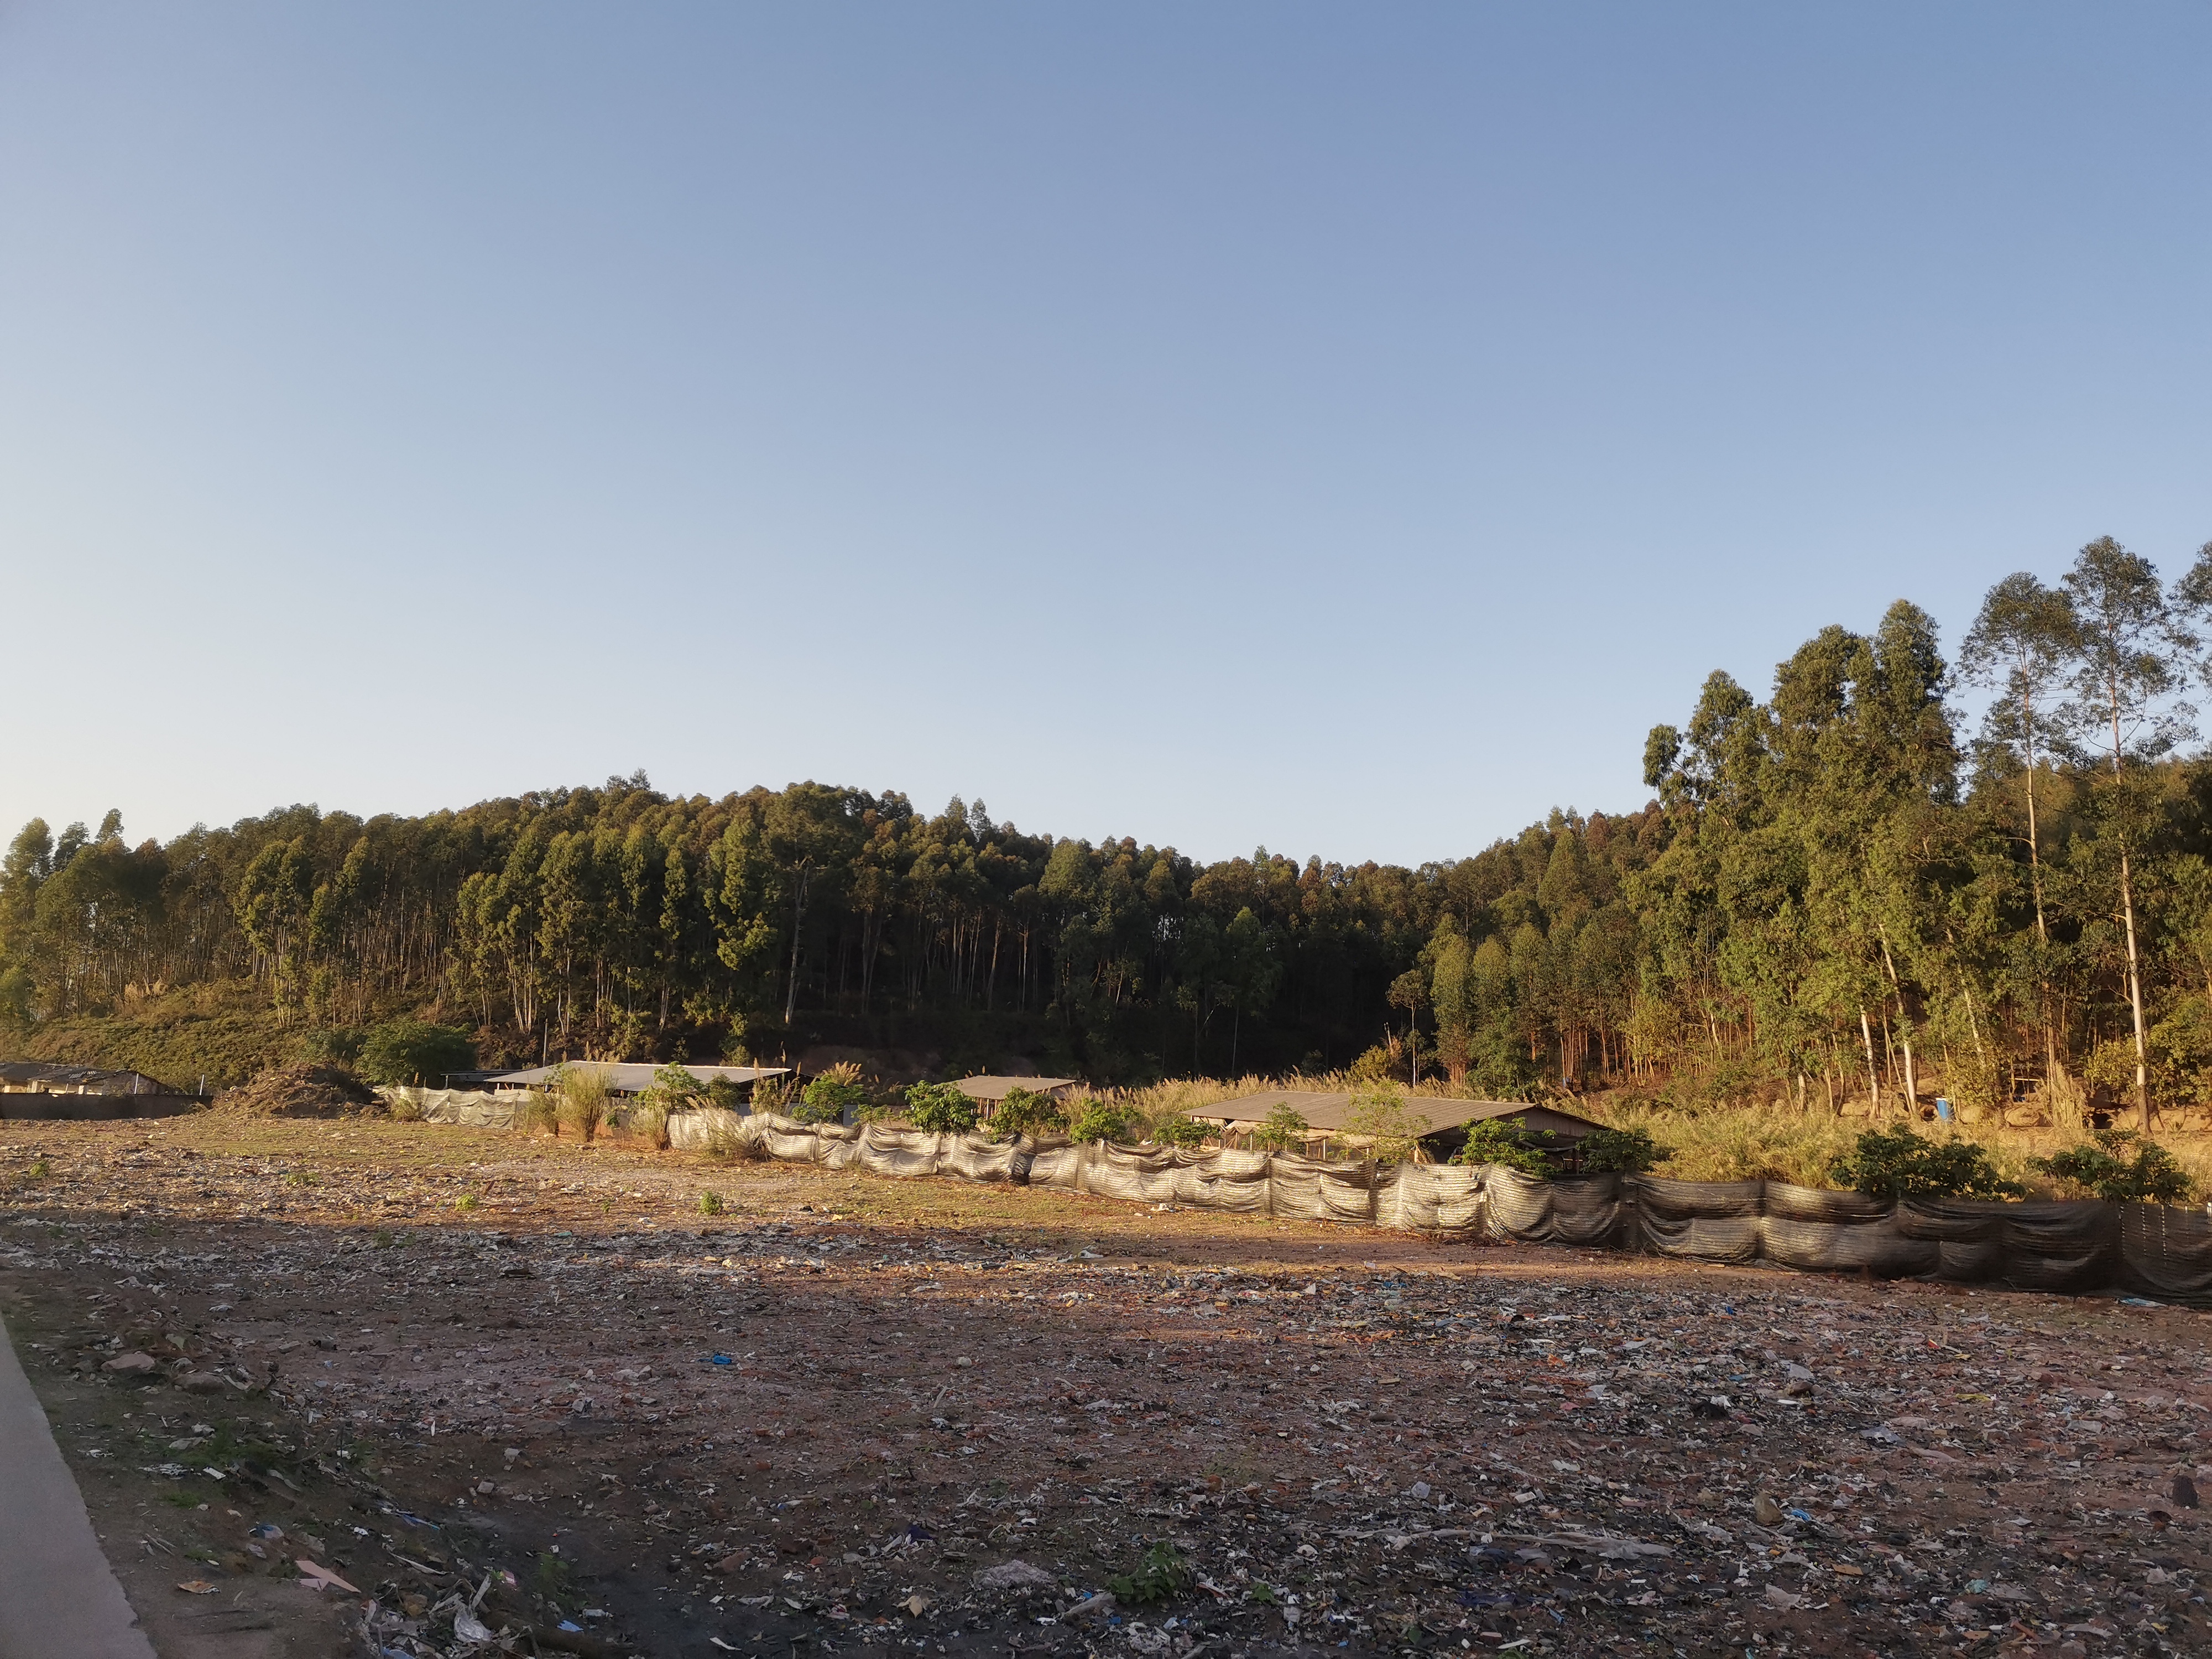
x=2072, y=1248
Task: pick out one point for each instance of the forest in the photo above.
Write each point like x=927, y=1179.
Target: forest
x=1837, y=892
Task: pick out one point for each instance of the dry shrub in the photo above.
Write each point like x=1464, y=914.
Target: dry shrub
x=647, y=1123
x=538, y=1114
x=405, y=1105
x=582, y=1092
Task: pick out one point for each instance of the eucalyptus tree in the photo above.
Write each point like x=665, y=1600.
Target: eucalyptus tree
x=2127, y=666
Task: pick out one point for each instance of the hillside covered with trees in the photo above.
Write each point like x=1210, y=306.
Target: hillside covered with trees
x=1835, y=892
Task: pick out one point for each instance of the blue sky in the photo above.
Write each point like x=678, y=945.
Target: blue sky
x=1344, y=428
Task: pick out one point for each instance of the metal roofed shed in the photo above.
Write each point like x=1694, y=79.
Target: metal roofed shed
x=990, y=1090
x=1325, y=1113
x=630, y=1077
x=31, y=1088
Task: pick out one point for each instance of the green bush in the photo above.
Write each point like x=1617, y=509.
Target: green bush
x=2150, y=1177
x=1618, y=1151
x=941, y=1107
x=1392, y=1128
x=1025, y=1112
x=1178, y=1130
x=415, y=1051
x=336, y=1047
x=1504, y=1142
x=1095, y=1120
x=1284, y=1131
x=1899, y=1163
x=824, y=1100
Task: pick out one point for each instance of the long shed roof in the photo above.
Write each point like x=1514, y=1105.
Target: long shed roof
x=1328, y=1110
x=631, y=1078
x=996, y=1089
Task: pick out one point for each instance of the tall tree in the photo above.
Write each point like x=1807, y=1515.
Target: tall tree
x=2127, y=674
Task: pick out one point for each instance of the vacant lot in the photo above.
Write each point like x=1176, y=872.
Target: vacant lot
x=535, y=1388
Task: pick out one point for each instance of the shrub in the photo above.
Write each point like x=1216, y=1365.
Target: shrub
x=538, y=1113
x=1178, y=1130
x=1899, y=1163
x=403, y=1106
x=412, y=1050
x=939, y=1107
x=710, y=1204
x=1284, y=1131
x=725, y=1092
x=1095, y=1120
x=1393, y=1128
x=336, y=1047
x=2151, y=1176
x=1618, y=1151
x=580, y=1094
x=1025, y=1112
x=1501, y=1141
x=825, y=1099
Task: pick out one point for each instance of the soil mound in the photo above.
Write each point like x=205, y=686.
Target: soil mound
x=303, y=1092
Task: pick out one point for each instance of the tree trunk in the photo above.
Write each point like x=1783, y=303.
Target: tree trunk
x=1873, y=1077
x=2135, y=997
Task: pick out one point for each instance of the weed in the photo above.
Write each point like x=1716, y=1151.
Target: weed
x=1161, y=1575
x=710, y=1204
x=465, y=1201
x=39, y=1170
x=300, y=1178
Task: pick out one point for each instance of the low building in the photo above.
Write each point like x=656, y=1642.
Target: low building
x=1326, y=1112
x=627, y=1076
x=38, y=1077
x=988, y=1091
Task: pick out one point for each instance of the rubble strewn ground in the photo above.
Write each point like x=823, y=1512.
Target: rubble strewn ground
x=502, y=1385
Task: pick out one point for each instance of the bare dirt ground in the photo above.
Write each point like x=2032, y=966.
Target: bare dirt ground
x=527, y=1392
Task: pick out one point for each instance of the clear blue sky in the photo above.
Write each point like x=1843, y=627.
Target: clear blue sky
x=1346, y=428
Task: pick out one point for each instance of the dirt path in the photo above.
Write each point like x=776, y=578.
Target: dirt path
x=533, y=1385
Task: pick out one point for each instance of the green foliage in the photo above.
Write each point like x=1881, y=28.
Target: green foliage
x=1025, y=1112
x=1899, y=1163
x=710, y=1204
x=580, y=1096
x=1618, y=1151
x=1508, y=1145
x=941, y=1107
x=1097, y=1120
x=1382, y=1117
x=1177, y=1130
x=1162, y=1573
x=414, y=1051
x=2151, y=1176
x=1283, y=1130
x=824, y=1100
x=337, y=1046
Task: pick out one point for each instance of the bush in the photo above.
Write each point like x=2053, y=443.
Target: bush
x=941, y=1107
x=1501, y=1141
x=1383, y=1118
x=825, y=1099
x=1618, y=1151
x=1177, y=1130
x=336, y=1047
x=414, y=1050
x=1095, y=1120
x=1899, y=1163
x=1284, y=1131
x=2151, y=1176
x=579, y=1096
x=538, y=1114
x=1025, y=1112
